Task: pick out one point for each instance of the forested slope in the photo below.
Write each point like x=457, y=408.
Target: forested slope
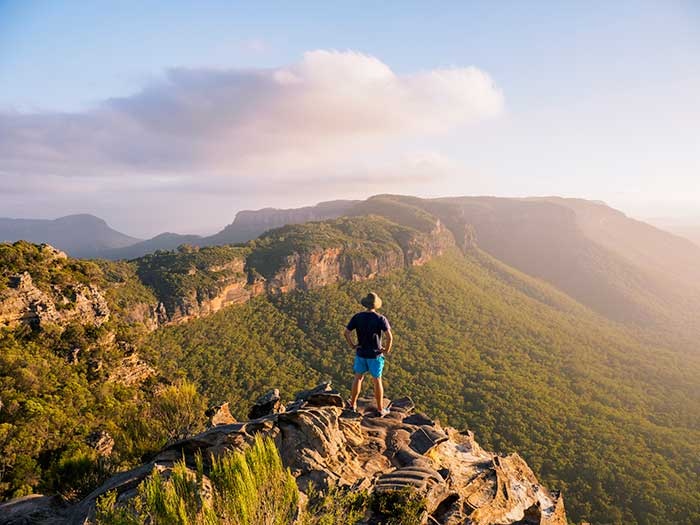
x=625, y=270
x=485, y=347
x=558, y=244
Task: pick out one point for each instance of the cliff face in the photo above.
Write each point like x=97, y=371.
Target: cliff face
x=22, y=301
x=293, y=258
x=223, y=284
x=320, y=267
x=325, y=445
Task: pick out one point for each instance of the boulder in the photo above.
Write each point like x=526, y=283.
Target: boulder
x=220, y=415
x=101, y=442
x=268, y=403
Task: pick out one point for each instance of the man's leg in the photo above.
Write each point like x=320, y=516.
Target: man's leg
x=356, y=387
x=379, y=392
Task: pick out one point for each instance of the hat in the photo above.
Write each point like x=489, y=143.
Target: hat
x=372, y=300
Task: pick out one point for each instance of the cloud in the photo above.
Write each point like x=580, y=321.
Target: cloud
x=241, y=122
x=333, y=125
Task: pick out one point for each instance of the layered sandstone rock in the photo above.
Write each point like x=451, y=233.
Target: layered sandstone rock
x=230, y=286
x=307, y=269
x=326, y=445
x=23, y=302
x=321, y=267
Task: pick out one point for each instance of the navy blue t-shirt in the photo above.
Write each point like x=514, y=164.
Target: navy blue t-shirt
x=369, y=327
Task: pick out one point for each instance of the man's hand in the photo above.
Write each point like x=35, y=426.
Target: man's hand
x=389, y=342
x=348, y=338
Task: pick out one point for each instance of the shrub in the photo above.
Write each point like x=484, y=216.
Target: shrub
x=253, y=487
x=337, y=506
x=179, y=410
x=398, y=507
x=77, y=472
x=247, y=488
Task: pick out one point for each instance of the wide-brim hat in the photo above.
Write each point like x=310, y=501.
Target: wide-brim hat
x=371, y=300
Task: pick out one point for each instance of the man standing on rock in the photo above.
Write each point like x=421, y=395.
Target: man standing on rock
x=369, y=353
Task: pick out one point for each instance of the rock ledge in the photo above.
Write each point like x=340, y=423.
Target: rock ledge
x=325, y=444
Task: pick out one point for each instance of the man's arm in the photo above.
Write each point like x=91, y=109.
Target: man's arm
x=389, y=341
x=348, y=338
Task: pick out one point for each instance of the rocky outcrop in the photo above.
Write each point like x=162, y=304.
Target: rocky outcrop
x=35, y=508
x=23, y=302
x=326, y=445
x=230, y=285
x=418, y=250
x=57, y=298
x=220, y=415
x=267, y=404
x=101, y=442
x=321, y=267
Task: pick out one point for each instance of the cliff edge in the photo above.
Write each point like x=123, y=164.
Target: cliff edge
x=325, y=445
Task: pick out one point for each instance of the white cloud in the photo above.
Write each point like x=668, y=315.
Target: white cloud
x=224, y=122
x=332, y=117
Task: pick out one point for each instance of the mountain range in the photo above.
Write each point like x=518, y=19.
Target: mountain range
x=557, y=328
x=80, y=235
x=88, y=236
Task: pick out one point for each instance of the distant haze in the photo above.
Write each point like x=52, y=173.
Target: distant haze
x=175, y=123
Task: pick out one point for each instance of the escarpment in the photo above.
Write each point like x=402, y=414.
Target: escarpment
x=325, y=445
x=193, y=282
x=196, y=282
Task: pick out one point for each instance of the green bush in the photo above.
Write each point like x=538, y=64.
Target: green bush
x=337, y=506
x=178, y=411
x=398, y=507
x=78, y=471
x=246, y=488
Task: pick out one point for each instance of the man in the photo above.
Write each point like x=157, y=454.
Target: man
x=369, y=357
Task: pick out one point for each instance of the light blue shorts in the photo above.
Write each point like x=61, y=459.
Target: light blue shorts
x=373, y=366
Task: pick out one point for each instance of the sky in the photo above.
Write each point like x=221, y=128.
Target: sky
x=172, y=116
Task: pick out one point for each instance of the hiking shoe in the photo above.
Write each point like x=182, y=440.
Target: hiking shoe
x=350, y=406
x=384, y=412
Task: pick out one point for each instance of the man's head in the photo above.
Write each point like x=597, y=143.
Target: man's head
x=371, y=301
